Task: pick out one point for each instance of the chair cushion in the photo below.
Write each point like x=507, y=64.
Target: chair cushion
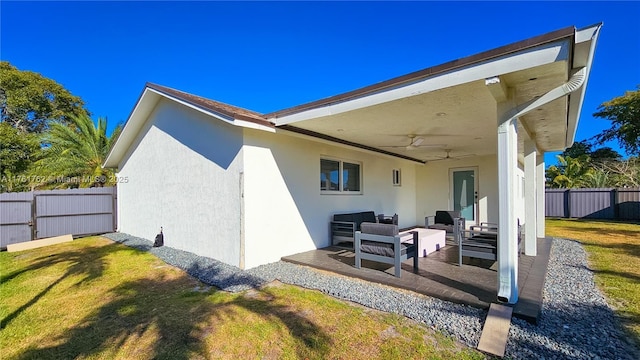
x=382, y=249
x=379, y=248
x=379, y=229
x=446, y=217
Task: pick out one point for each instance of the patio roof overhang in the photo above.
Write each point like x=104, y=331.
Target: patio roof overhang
x=449, y=106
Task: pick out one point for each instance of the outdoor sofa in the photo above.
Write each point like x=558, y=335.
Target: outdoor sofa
x=382, y=243
x=344, y=226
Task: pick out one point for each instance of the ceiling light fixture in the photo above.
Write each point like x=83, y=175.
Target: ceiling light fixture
x=441, y=114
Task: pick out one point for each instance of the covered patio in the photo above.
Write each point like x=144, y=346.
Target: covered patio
x=476, y=130
x=474, y=284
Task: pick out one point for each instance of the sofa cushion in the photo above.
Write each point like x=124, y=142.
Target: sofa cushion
x=343, y=217
x=368, y=216
x=446, y=217
x=357, y=218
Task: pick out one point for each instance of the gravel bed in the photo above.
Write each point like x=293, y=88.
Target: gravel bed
x=576, y=322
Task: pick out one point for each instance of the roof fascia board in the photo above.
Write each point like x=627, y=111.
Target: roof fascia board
x=253, y=125
x=218, y=115
x=541, y=55
x=584, y=38
x=146, y=102
x=415, y=76
x=138, y=116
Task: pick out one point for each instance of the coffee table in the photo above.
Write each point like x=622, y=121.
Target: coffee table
x=430, y=240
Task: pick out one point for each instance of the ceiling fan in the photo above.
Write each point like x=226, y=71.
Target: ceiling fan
x=449, y=157
x=415, y=142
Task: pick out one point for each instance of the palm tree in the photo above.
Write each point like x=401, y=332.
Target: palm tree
x=570, y=173
x=74, y=152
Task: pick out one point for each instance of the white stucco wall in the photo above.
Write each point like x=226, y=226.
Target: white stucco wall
x=186, y=172
x=285, y=212
x=183, y=174
x=433, y=187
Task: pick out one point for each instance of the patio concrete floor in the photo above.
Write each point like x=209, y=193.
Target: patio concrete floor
x=474, y=283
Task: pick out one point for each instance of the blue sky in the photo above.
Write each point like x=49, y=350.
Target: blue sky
x=267, y=56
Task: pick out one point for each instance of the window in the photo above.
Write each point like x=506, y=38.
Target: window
x=396, y=177
x=339, y=176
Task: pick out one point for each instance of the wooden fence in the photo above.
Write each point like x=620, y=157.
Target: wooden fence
x=39, y=214
x=598, y=203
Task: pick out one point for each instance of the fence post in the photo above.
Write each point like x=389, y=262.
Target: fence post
x=34, y=219
x=614, y=203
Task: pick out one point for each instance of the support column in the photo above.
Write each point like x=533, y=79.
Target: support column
x=507, y=225
x=530, y=201
x=540, y=189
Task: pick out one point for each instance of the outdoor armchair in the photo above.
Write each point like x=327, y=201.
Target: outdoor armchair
x=382, y=243
x=445, y=220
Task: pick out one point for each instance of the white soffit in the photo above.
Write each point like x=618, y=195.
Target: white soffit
x=541, y=55
x=584, y=49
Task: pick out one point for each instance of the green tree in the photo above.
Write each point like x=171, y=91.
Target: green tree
x=584, y=147
x=622, y=173
x=578, y=148
x=624, y=114
x=570, y=173
x=604, y=153
x=28, y=100
x=76, y=149
x=17, y=152
x=597, y=178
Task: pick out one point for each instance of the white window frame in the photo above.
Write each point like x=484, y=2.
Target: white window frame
x=341, y=191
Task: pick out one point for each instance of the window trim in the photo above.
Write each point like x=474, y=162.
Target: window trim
x=341, y=162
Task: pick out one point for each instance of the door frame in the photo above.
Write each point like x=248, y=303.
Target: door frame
x=475, y=191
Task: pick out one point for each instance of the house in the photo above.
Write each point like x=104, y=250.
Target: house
x=248, y=188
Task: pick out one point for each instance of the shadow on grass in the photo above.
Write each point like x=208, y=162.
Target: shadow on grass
x=627, y=248
x=621, y=274
x=88, y=264
x=163, y=318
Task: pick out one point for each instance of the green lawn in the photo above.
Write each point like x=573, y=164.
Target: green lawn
x=614, y=255
x=96, y=299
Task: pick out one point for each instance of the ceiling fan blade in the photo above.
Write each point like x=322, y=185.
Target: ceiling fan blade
x=432, y=146
x=464, y=156
x=417, y=141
